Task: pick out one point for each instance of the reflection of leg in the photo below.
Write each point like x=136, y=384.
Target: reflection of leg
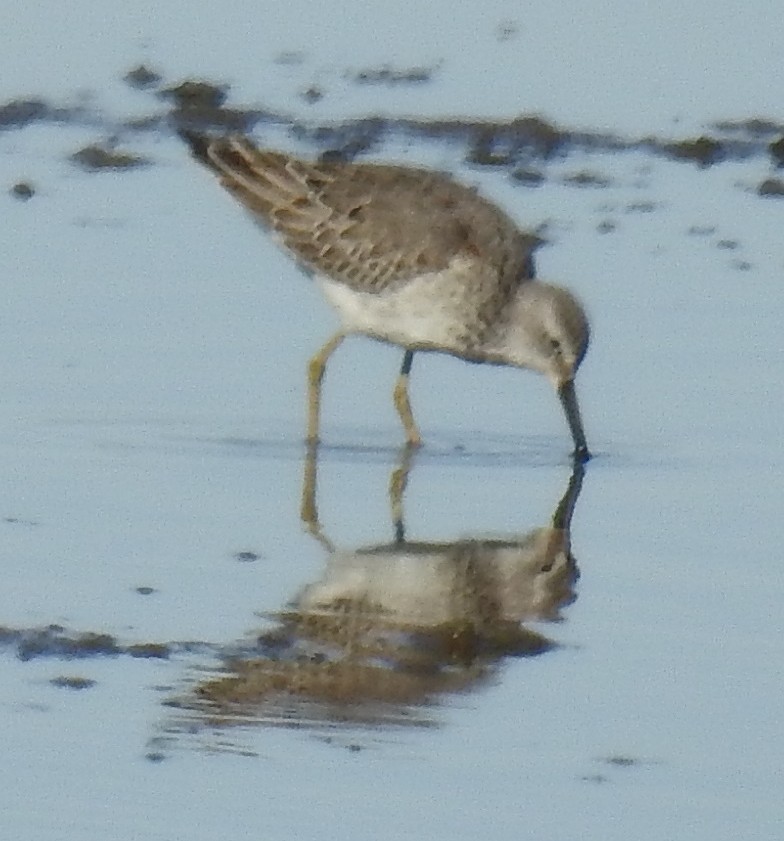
x=308, y=511
x=398, y=481
x=402, y=403
x=316, y=368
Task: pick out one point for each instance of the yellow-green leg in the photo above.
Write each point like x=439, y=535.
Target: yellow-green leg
x=316, y=368
x=403, y=404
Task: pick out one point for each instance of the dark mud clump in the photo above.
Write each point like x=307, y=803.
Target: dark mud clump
x=142, y=78
x=522, y=145
x=518, y=144
x=754, y=127
x=587, y=179
x=387, y=75
x=701, y=230
x=776, y=149
x=771, y=188
x=621, y=761
x=19, y=113
x=22, y=190
x=704, y=151
x=53, y=641
x=149, y=651
x=507, y=30
x=197, y=94
x=521, y=139
x=312, y=95
x=201, y=104
x=247, y=556
x=68, y=682
x=95, y=158
x=641, y=207
x=344, y=141
x=22, y=112
x=528, y=177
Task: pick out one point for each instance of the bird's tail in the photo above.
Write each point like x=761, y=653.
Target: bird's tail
x=273, y=186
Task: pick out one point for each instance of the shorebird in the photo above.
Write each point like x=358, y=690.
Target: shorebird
x=410, y=257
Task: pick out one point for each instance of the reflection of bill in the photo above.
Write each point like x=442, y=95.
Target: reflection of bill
x=388, y=628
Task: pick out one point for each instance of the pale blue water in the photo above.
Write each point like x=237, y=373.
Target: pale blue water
x=154, y=347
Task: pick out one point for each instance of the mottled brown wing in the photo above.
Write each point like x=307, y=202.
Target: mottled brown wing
x=369, y=226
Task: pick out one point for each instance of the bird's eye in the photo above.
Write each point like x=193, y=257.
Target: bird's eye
x=556, y=346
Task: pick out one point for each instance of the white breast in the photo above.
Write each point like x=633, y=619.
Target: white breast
x=422, y=312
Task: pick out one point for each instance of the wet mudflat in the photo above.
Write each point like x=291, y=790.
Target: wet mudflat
x=207, y=628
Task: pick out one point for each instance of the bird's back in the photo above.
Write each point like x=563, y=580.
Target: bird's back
x=367, y=225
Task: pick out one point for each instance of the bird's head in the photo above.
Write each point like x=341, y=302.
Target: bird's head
x=548, y=331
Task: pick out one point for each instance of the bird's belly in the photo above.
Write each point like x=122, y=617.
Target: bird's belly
x=421, y=313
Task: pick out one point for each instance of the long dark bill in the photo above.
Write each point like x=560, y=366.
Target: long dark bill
x=568, y=398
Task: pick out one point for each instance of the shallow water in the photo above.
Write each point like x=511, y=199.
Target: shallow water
x=182, y=656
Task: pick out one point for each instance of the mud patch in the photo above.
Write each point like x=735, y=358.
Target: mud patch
x=149, y=651
x=503, y=144
x=312, y=95
x=195, y=93
x=201, y=104
x=522, y=145
x=71, y=682
x=759, y=127
x=641, y=207
x=587, y=179
x=701, y=230
x=776, y=149
x=771, y=188
x=96, y=158
x=247, y=557
x=17, y=521
x=57, y=642
x=22, y=112
x=142, y=78
x=621, y=761
x=507, y=30
x=19, y=113
x=54, y=641
x=392, y=76
x=527, y=177
x=22, y=190
x=704, y=151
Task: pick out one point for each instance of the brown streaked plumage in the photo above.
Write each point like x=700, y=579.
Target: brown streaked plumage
x=411, y=257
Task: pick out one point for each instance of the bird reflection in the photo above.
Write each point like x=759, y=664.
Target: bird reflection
x=388, y=629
